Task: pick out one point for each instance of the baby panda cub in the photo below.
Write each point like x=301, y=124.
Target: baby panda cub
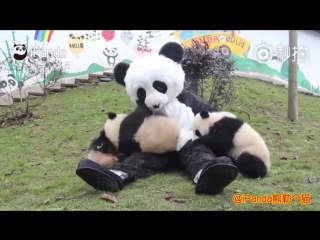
x=102, y=151
x=104, y=148
x=227, y=135
x=142, y=131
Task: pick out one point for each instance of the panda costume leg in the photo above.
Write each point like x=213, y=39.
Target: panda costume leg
x=128, y=169
x=211, y=174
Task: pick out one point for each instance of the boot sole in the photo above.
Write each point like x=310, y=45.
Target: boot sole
x=216, y=178
x=98, y=176
x=98, y=180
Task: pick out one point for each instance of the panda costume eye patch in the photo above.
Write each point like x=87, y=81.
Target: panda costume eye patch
x=160, y=86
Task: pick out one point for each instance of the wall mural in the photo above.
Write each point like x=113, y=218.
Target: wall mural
x=94, y=38
x=233, y=45
x=126, y=37
x=228, y=41
x=100, y=50
x=108, y=35
x=76, y=44
x=153, y=33
x=142, y=47
x=111, y=54
x=42, y=38
x=22, y=67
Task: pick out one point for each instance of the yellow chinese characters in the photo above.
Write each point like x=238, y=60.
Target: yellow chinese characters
x=276, y=198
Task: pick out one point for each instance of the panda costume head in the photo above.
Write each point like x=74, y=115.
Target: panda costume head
x=156, y=79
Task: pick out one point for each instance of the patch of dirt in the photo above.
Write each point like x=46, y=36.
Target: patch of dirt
x=16, y=121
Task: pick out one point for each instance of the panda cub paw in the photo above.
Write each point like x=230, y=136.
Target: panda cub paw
x=184, y=137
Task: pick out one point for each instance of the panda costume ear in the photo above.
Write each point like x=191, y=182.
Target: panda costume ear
x=204, y=114
x=120, y=72
x=14, y=45
x=172, y=50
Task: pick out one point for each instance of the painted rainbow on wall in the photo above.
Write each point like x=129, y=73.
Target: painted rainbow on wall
x=43, y=35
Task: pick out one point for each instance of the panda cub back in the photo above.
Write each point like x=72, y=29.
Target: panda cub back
x=158, y=134
x=148, y=132
x=143, y=131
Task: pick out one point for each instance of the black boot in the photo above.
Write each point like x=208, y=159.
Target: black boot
x=211, y=174
x=216, y=176
x=99, y=177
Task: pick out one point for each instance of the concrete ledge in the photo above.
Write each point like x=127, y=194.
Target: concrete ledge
x=34, y=89
x=16, y=93
x=279, y=84
x=69, y=85
x=274, y=80
x=6, y=100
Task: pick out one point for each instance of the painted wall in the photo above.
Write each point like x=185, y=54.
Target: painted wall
x=99, y=50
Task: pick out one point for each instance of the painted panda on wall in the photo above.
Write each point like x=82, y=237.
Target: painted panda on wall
x=19, y=51
x=8, y=85
x=225, y=134
x=111, y=55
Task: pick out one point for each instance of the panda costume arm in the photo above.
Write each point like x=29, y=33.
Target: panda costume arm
x=185, y=107
x=196, y=103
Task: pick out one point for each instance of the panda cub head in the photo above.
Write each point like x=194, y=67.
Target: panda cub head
x=104, y=148
x=204, y=120
x=19, y=52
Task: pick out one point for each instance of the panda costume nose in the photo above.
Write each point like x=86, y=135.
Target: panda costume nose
x=156, y=106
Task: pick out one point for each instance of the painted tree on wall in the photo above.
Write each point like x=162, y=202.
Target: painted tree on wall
x=21, y=64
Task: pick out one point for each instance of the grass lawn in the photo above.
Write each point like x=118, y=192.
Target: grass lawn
x=38, y=160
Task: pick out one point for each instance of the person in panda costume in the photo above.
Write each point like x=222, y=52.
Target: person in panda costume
x=158, y=80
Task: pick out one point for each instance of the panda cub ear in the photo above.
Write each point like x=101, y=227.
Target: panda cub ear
x=204, y=114
x=112, y=115
x=172, y=50
x=120, y=72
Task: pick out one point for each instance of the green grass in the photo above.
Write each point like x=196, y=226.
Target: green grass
x=43, y=155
